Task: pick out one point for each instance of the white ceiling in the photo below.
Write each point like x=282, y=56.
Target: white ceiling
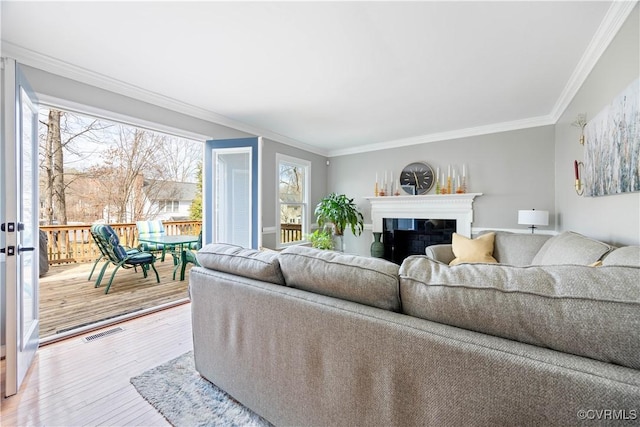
x=338, y=76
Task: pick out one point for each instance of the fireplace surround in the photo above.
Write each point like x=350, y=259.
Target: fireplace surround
x=457, y=209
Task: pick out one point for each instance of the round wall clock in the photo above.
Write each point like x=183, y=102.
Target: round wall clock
x=417, y=178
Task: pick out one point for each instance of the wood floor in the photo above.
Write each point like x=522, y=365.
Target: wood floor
x=73, y=383
x=68, y=300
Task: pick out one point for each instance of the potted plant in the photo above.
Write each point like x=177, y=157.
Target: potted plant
x=339, y=211
x=321, y=239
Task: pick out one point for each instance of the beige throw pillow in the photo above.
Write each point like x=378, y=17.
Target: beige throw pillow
x=473, y=250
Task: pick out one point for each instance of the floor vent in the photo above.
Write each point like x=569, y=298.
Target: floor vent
x=102, y=334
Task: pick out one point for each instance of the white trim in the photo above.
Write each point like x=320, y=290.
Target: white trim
x=269, y=230
x=609, y=27
x=64, y=69
x=444, y=136
x=306, y=215
x=476, y=230
x=450, y=206
x=100, y=113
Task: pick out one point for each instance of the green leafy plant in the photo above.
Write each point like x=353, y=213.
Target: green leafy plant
x=341, y=212
x=321, y=239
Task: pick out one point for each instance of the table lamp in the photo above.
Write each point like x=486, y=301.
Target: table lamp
x=533, y=218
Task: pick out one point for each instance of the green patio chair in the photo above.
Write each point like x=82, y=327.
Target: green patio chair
x=190, y=256
x=117, y=255
x=103, y=250
x=150, y=230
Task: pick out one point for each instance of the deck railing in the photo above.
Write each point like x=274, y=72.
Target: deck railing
x=290, y=233
x=73, y=243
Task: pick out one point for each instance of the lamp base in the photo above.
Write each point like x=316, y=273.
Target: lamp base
x=532, y=227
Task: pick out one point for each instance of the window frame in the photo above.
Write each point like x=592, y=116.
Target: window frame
x=306, y=198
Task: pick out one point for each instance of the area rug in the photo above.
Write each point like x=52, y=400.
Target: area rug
x=184, y=398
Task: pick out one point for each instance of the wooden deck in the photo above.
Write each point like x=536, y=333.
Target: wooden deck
x=68, y=300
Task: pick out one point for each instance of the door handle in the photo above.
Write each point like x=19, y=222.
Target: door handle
x=25, y=249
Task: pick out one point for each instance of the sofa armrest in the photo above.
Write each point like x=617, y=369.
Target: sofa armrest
x=442, y=253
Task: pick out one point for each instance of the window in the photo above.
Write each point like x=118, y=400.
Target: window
x=169, y=205
x=293, y=199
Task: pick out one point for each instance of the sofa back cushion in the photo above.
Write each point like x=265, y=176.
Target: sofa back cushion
x=587, y=311
x=516, y=248
x=252, y=263
x=626, y=255
x=571, y=248
x=370, y=281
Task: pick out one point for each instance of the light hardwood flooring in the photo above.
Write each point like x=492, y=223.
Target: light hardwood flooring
x=73, y=383
x=68, y=300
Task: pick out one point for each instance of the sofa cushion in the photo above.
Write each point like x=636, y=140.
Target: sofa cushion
x=626, y=255
x=252, y=263
x=516, y=248
x=592, y=312
x=479, y=249
x=370, y=281
x=571, y=248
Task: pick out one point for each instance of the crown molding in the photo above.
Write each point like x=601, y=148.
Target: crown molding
x=55, y=66
x=616, y=16
x=445, y=136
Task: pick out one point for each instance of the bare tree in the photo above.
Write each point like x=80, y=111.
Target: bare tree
x=179, y=158
x=63, y=129
x=123, y=176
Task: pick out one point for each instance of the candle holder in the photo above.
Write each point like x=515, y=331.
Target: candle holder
x=464, y=184
x=579, y=186
x=376, y=190
x=448, y=185
x=438, y=189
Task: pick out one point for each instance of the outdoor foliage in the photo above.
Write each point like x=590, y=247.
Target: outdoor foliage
x=195, y=211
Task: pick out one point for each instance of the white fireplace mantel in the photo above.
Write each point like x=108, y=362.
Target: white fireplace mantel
x=449, y=206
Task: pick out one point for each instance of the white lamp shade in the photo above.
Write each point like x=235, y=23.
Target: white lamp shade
x=533, y=217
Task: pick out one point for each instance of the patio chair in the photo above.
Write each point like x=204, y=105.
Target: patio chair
x=117, y=255
x=103, y=251
x=190, y=256
x=150, y=230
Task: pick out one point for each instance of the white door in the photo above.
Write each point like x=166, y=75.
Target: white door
x=19, y=224
x=231, y=202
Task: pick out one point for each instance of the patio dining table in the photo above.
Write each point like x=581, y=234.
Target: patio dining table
x=179, y=241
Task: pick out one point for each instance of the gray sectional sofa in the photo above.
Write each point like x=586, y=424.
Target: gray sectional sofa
x=309, y=337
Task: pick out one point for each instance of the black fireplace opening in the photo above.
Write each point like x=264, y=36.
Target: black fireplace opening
x=403, y=236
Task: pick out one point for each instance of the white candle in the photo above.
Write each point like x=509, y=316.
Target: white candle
x=376, y=177
x=464, y=170
x=438, y=172
x=448, y=171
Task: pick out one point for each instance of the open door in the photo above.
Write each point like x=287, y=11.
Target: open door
x=19, y=223
x=231, y=196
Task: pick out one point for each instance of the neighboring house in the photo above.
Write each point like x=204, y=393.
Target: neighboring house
x=168, y=200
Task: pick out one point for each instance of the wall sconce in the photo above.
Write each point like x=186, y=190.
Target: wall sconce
x=576, y=170
x=581, y=122
x=533, y=218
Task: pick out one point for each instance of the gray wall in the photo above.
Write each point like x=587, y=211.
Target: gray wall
x=514, y=170
x=63, y=88
x=269, y=190
x=614, y=218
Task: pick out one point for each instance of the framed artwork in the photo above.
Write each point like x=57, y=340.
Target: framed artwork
x=612, y=146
